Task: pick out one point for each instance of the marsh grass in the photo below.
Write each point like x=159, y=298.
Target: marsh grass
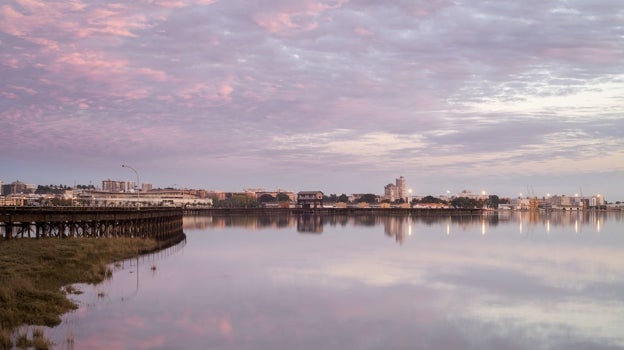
x=33, y=273
x=37, y=342
x=5, y=339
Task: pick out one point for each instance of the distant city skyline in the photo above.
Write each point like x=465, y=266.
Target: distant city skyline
x=392, y=192
x=342, y=96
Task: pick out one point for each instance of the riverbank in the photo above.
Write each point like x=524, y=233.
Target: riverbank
x=36, y=274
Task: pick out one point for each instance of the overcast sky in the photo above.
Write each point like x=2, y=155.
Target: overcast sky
x=342, y=96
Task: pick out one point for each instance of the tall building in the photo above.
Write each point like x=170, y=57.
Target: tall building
x=390, y=192
x=401, y=188
x=146, y=187
x=17, y=187
x=117, y=186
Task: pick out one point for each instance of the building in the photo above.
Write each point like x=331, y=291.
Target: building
x=177, y=198
x=390, y=192
x=310, y=199
x=146, y=187
x=396, y=191
x=17, y=187
x=401, y=188
x=117, y=186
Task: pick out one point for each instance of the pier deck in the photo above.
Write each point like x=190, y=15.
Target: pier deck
x=62, y=222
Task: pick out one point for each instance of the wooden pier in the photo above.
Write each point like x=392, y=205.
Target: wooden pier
x=163, y=224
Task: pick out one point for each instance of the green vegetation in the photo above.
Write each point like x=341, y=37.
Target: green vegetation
x=33, y=273
x=237, y=201
x=367, y=198
x=60, y=189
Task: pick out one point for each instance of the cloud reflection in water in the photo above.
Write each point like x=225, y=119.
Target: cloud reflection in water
x=340, y=283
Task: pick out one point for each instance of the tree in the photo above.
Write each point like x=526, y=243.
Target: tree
x=343, y=198
x=282, y=197
x=367, y=198
x=492, y=201
x=237, y=201
x=464, y=202
x=431, y=199
x=243, y=201
x=266, y=198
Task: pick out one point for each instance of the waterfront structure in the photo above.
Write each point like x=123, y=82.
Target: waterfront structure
x=162, y=224
x=173, y=198
x=310, y=199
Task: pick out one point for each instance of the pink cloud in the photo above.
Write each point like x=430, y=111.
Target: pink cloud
x=11, y=20
x=168, y=3
x=116, y=20
x=179, y=3
x=132, y=94
x=154, y=342
x=226, y=90
x=89, y=64
x=9, y=95
x=135, y=322
x=25, y=89
x=599, y=55
x=154, y=74
x=363, y=32
x=46, y=16
x=213, y=95
x=275, y=22
x=294, y=17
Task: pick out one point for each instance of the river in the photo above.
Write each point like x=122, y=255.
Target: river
x=513, y=280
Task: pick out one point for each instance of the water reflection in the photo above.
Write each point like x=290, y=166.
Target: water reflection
x=507, y=281
x=400, y=227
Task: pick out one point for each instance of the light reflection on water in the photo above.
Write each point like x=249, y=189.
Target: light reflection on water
x=515, y=280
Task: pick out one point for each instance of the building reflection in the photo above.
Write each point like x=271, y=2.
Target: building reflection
x=397, y=227
x=309, y=224
x=400, y=227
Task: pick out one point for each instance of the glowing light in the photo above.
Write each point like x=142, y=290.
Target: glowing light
x=547, y=226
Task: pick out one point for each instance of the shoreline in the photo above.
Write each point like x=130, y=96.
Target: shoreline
x=36, y=275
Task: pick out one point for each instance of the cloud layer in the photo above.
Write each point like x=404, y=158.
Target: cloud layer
x=282, y=93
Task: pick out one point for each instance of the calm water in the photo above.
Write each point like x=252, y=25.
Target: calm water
x=512, y=281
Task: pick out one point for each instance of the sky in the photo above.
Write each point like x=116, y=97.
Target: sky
x=341, y=96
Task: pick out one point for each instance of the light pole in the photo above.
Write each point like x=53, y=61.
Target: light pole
x=138, y=183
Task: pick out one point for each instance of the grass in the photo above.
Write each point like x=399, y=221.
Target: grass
x=33, y=273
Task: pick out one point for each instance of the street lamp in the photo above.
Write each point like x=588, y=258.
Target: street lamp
x=138, y=183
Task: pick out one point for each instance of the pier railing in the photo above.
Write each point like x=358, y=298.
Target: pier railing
x=61, y=222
